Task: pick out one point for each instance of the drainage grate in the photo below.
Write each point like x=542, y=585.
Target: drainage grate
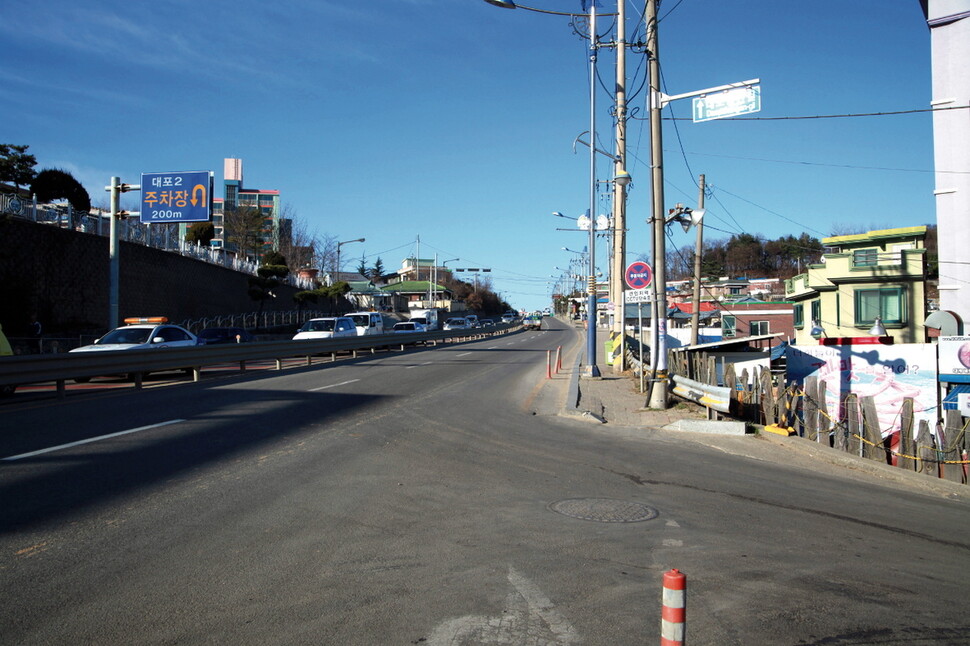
x=604, y=510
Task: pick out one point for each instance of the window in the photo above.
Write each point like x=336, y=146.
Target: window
x=799, y=313
x=886, y=303
x=758, y=327
x=729, y=326
x=865, y=257
x=817, y=311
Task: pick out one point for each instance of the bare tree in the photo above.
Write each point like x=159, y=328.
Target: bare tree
x=298, y=243
x=244, y=230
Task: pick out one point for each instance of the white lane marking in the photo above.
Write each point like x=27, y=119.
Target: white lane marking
x=529, y=618
x=463, y=354
x=342, y=383
x=92, y=439
x=418, y=365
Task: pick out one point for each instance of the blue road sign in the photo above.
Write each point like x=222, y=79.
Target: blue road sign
x=176, y=197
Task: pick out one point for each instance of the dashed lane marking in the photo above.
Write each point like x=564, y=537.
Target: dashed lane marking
x=92, y=439
x=342, y=383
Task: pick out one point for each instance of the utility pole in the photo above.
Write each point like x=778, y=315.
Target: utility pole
x=695, y=317
x=658, y=385
x=619, y=193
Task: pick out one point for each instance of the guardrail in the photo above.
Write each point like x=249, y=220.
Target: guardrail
x=716, y=397
x=36, y=368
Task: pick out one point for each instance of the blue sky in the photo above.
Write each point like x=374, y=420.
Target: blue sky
x=454, y=121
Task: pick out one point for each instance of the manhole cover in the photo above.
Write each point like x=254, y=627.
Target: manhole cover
x=604, y=510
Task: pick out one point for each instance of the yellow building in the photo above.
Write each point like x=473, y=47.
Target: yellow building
x=863, y=278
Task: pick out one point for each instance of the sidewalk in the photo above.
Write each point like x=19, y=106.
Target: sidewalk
x=614, y=398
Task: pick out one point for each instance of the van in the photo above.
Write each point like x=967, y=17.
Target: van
x=368, y=322
x=472, y=320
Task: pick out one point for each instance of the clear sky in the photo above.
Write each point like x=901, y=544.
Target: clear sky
x=455, y=121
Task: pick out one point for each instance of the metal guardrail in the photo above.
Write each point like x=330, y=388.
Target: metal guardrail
x=36, y=368
x=715, y=397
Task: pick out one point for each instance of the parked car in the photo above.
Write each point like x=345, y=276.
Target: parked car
x=408, y=326
x=141, y=333
x=326, y=328
x=217, y=335
x=456, y=323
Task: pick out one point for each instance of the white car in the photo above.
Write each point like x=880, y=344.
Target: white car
x=142, y=333
x=331, y=327
x=408, y=326
x=456, y=324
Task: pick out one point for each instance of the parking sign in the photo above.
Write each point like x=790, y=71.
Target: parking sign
x=176, y=197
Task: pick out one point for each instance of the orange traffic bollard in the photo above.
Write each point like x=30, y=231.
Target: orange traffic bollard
x=673, y=615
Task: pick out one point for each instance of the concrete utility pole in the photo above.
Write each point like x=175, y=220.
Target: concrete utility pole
x=658, y=387
x=695, y=317
x=619, y=193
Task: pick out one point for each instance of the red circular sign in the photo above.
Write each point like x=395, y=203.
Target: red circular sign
x=638, y=275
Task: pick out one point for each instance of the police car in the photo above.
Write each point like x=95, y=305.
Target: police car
x=142, y=333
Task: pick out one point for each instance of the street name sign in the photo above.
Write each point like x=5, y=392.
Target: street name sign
x=729, y=103
x=184, y=196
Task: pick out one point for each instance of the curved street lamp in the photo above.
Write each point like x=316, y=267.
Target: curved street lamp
x=340, y=244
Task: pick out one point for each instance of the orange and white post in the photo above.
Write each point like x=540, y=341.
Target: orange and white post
x=673, y=614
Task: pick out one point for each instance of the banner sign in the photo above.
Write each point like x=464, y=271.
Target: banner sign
x=888, y=373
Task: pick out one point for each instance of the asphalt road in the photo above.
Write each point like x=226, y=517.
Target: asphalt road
x=431, y=497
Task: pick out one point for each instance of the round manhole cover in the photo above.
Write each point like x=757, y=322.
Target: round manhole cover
x=604, y=510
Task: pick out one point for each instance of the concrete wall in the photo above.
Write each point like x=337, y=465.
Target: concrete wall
x=62, y=276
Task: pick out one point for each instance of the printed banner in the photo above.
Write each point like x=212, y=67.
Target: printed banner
x=888, y=373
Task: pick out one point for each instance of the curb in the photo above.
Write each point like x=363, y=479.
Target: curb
x=572, y=408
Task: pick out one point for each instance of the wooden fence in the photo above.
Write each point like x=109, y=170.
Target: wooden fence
x=765, y=398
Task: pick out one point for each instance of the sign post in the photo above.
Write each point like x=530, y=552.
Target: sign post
x=638, y=276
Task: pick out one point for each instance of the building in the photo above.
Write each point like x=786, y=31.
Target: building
x=238, y=198
x=949, y=23
x=863, y=278
x=751, y=317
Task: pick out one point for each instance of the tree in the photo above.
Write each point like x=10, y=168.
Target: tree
x=276, y=260
x=16, y=166
x=201, y=233
x=243, y=229
x=362, y=267
x=52, y=184
x=377, y=270
x=300, y=245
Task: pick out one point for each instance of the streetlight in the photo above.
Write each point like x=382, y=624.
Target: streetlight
x=340, y=244
x=619, y=237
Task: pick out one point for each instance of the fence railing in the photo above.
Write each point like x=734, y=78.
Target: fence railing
x=59, y=368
